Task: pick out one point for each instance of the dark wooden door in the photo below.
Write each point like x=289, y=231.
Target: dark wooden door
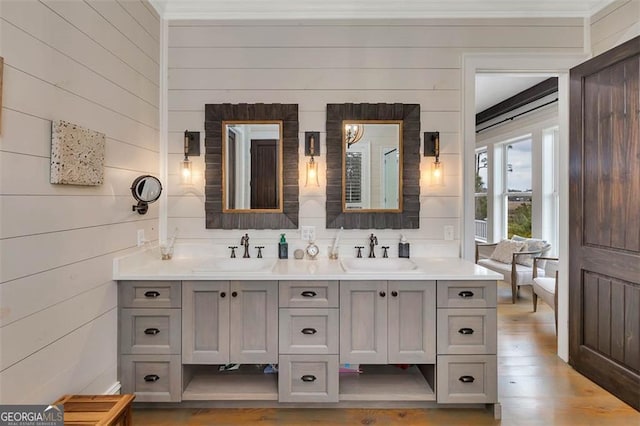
x=264, y=174
x=604, y=209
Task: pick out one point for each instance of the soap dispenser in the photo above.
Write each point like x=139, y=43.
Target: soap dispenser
x=283, y=248
x=403, y=247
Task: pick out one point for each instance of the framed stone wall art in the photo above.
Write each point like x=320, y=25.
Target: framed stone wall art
x=77, y=154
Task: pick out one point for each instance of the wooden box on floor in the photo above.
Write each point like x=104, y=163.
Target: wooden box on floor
x=102, y=410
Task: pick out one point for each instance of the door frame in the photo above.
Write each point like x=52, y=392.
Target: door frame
x=544, y=63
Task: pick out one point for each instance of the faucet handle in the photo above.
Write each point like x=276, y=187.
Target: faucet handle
x=359, y=254
x=259, y=251
x=233, y=251
x=384, y=251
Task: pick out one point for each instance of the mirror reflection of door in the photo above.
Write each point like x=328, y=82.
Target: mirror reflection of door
x=390, y=172
x=252, y=169
x=232, y=169
x=264, y=174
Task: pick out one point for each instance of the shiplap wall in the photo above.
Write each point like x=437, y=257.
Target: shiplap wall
x=94, y=63
x=313, y=63
x=615, y=24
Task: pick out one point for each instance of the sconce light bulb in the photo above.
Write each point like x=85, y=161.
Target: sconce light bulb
x=437, y=173
x=186, y=171
x=312, y=173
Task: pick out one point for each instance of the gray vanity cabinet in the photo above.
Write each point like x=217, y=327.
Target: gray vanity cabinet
x=387, y=322
x=149, y=340
x=229, y=322
x=205, y=322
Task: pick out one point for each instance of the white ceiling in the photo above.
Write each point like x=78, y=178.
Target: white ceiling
x=494, y=88
x=382, y=9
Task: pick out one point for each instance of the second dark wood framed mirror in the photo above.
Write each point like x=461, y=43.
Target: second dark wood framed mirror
x=402, y=118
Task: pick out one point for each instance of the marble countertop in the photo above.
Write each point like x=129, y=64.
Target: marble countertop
x=147, y=265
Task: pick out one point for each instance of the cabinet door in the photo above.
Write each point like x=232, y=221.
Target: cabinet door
x=254, y=322
x=412, y=322
x=363, y=322
x=205, y=322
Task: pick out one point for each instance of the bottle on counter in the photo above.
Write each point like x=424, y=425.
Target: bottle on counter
x=283, y=248
x=403, y=247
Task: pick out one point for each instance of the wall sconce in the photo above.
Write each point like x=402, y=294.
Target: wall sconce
x=432, y=149
x=311, y=149
x=191, y=147
x=353, y=133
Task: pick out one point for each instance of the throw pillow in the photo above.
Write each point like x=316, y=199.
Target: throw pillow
x=505, y=249
x=532, y=244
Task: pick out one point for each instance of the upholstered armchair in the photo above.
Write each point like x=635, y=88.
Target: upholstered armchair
x=546, y=287
x=518, y=270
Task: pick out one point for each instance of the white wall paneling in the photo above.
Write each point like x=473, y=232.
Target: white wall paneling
x=615, y=24
x=94, y=64
x=313, y=63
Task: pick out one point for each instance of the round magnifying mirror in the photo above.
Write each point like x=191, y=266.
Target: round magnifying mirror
x=145, y=189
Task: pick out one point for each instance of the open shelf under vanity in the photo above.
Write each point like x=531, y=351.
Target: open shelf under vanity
x=388, y=383
x=249, y=382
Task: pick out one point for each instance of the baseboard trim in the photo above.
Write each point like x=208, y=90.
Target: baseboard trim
x=114, y=389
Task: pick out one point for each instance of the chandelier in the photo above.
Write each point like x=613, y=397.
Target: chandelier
x=353, y=133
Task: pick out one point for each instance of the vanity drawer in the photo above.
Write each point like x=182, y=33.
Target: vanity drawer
x=308, y=294
x=309, y=331
x=466, y=294
x=466, y=331
x=152, y=378
x=150, y=331
x=308, y=378
x=150, y=294
x=467, y=379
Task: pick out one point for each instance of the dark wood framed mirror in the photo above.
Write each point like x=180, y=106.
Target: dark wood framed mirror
x=217, y=216
x=407, y=216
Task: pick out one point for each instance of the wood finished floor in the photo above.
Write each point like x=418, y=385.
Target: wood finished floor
x=535, y=388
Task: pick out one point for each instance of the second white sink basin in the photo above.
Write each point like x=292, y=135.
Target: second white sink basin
x=379, y=265
x=252, y=265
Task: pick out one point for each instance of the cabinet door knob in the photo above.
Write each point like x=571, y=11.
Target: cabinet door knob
x=466, y=331
x=467, y=379
x=309, y=293
x=383, y=294
x=152, y=331
x=394, y=293
x=309, y=331
x=465, y=294
x=234, y=294
x=223, y=294
x=151, y=378
x=151, y=294
x=308, y=378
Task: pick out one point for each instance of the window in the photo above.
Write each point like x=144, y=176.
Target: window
x=353, y=191
x=518, y=187
x=482, y=181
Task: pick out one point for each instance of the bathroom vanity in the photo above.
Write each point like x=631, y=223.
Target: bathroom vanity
x=421, y=337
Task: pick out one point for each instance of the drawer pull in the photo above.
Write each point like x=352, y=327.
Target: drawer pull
x=466, y=331
x=309, y=331
x=152, y=331
x=309, y=293
x=308, y=378
x=152, y=294
x=467, y=379
x=151, y=378
x=465, y=294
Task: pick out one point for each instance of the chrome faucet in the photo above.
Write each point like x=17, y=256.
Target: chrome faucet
x=244, y=241
x=373, y=241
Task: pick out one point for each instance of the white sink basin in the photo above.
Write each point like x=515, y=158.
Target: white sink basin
x=379, y=265
x=252, y=265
